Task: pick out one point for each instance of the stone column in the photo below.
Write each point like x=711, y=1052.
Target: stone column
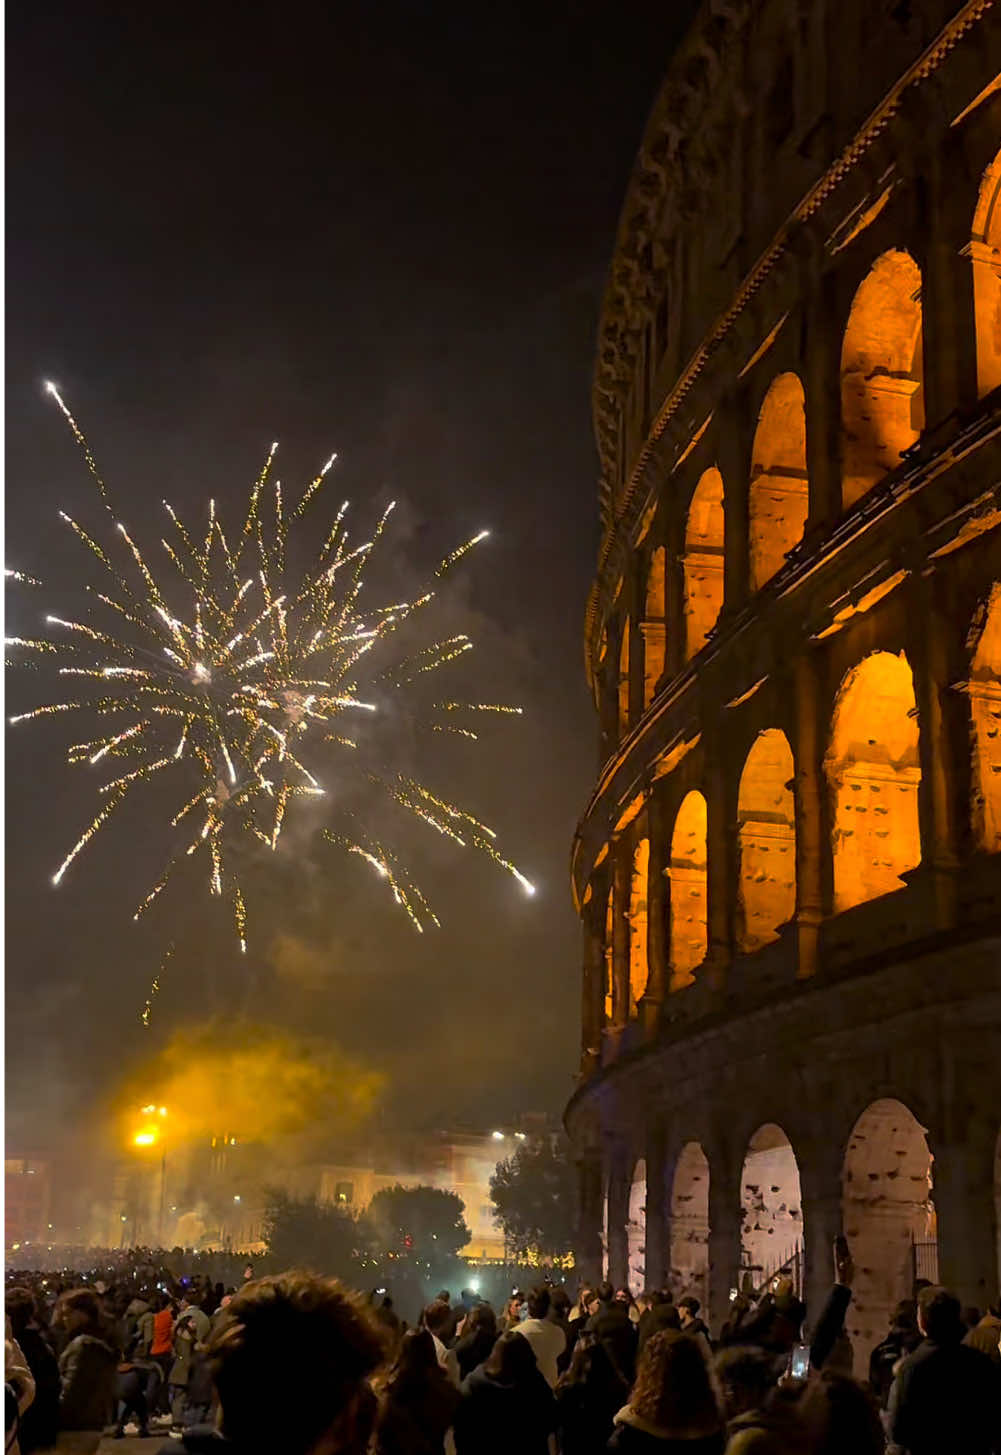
x=721, y=853
x=936, y=798
x=822, y=387
x=593, y=979
x=674, y=591
x=724, y=1241
x=734, y=466
x=821, y=1225
x=654, y=632
x=812, y=839
x=633, y=593
x=622, y=875
x=658, y=946
x=964, y=1206
x=657, y=1218
x=589, y=1218
x=618, y=1216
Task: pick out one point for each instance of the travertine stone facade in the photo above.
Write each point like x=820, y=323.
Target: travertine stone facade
x=788, y=874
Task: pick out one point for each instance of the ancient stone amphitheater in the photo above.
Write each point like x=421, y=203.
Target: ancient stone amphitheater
x=789, y=872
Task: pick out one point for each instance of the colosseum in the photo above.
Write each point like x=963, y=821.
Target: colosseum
x=789, y=871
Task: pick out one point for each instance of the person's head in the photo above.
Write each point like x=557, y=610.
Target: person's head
x=387, y=1302
x=514, y=1303
x=443, y=1296
x=939, y=1315
x=538, y=1302
x=79, y=1312
x=675, y=1387
x=296, y=1331
x=840, y=1415
x=417, y=1361
x=904, y=1316
x=971, y=1317
x=512, y=1359
x=481, y=1321
x=590, y=1364
x=438, y=1317
x=623, y=1296
x=688, y=1309
x=586, y=1297
x=605, y=1293
x=746, y=1374
x=559, y=1302
x=20, y=1309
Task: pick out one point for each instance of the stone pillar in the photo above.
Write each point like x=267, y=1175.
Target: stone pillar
x=822, y=387
x=964, y=1206
x=657, y=1217
x=654, y=631
x=618, y=1216
x=608, y=702
x=724, y=1241
x=593, y=979
x=622, y=875
x=734, y=466
x=674, y=591
x=721, y=853
x=812, y=839
x=634, y=594
x=589, y=1218
x=821, y=1225
x=658, y=908
x=936, y=797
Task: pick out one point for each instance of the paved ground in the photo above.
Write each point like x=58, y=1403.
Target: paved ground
x=132, y=1445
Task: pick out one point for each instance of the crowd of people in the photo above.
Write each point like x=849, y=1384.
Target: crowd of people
x=298, y=1364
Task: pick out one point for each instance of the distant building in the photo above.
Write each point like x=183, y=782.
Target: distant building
x=27, y=1199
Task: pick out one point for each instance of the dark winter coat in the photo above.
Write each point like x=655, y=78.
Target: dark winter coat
x=946, y=1397
x=655, y=1320
x=496, y=1418
x=633, y=1435
x=414, y=1420
x=87, y=1370
x=614, y=1330
x=585, y=1412
x=472, y=1349
x=884, y=1359
x=40, y=1421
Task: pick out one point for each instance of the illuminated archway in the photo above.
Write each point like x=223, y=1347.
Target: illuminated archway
x=638, y=932
x=687, y=870
x=654, y=625
x=888, y=1218
x=985, y=258
x=703, y=561
x=882, y=401
x=690, y=1224
x=636, y=1229
x=873, y=772
x=985, y=711
x=767, y=841
x=609, y=957
x=624, y=680
x=771, y=1230
x=779, y=496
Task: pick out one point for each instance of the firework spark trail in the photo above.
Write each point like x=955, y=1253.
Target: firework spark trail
x=225, y=686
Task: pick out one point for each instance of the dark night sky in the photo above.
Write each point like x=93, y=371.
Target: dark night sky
x=376, y=228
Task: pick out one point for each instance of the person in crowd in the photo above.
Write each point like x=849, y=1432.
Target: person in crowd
x=291, y=1365
x=386, y=1315
x=190, y=1332
x=437, y=1319
x=903, y=1338
x=841, y=1417
x=986, y=1335
x=559, y=1314
x=19, y=1391
x=156, y=1332
x=582, y=1308
x=478, y=1337
x=130, y=1394
x=505, y=1405
x=611, y=1325
x=674, y=1407
x=946, y=1395
x=588, y=1397
x=624, y=1296
x=39, y=1423
x=547, y=1339
x=418, y=1402
x=689, y=1310
x=757, y=1423
x=658, y=1313
x=511, y=1317
x=87, y=1369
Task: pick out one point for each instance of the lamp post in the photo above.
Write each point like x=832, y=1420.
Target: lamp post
x=152, y=1134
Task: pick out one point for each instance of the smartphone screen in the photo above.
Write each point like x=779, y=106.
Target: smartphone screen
x=799, y=1364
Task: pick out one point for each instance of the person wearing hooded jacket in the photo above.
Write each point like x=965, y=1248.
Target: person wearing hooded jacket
x=87, y=1370
x=674, y=1408
x=506, y=1404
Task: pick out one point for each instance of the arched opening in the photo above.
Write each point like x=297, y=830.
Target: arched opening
x=771, y=1229
x=882, y=401
x=873, y=774
x=609, y=957
x=638, y=964
x=779, y=496
x=985, y=711
x=985, y=257
x=636, y=1229
x=888, y=1218
x=687, y=870
x=654, y=625
x=703, y=561
x=766, y=831
x=690, y=1224
x=624, y=680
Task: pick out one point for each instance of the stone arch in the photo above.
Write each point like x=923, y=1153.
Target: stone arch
x=655, y=624
x=985, y=258
x=888, y=1218
x=636, y=1229
x=882, y=399
x=638, y=926
x=778, y=499
x=873, y=773
x=689, y=1252
x=771, y=1226
x=687, y=872
x=624, y=649
x=609, y=956
x=766, y=832
x=984, y=692
x=703, y=561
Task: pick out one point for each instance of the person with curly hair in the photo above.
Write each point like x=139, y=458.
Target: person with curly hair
x=674, y=1408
